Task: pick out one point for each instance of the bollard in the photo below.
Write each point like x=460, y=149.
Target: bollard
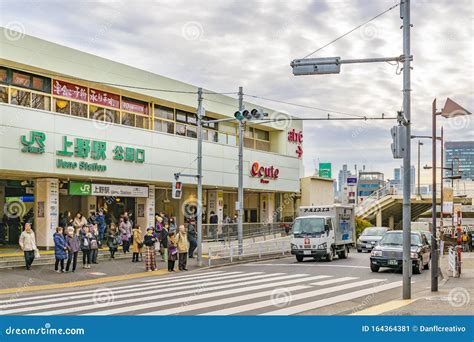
x=259, y=251
x=231, y=252
x=282, y=248
x=209, y=255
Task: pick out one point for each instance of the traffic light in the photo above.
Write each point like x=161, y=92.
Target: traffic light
x=254, y=114
x=399, y=139
x=177, y=190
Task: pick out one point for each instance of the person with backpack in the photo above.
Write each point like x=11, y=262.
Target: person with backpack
x=73, y=245
x=86, y=247
x=60, y=248
x=183, y=246
x=137, y=245
x=95, y=244
x=113, y=240
x=150, y=252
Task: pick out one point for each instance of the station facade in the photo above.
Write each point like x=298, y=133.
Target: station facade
x=79, y=132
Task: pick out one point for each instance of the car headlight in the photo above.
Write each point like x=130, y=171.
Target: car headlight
x=414, y=255
x=293, y=246
x=376, y=253
x=323, y=246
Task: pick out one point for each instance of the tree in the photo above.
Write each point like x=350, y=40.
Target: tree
x=361, y=224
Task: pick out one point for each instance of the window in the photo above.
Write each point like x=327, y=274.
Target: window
x=231, y=139
x=3, y=75
x=262, y=145
x=21, y=79
x=164, y=112
x=249, y=143
x=79, y=109
x=21, y=98
x=26, y=80
x=213, y=136
x=181, y=116
x=192, y=119
x=261, y=135
x=3, y=94
x=164, y=126
x=62, y=106
x=180, y=129
x=128, y=119
x=191, y=131
x=222, y=138
x=40, y=101
x=141, y=121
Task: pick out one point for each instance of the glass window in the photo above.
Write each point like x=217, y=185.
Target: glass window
x=21, y=79
x=222, y=138
x=213, y=136
x=3, y=94
x=38, y=83
x=128, y=119
x=191, y=131
x=39, y=101
x=192, y=119
x=158, y=125
x=180, y=129
x=141, y=121
x=79, y=109
x=62, y=106
x=248, y=143
x=204, y=134
x=164, y=112
x=248, y=132
x=262, y=135
x=231, y=139
x=3, y=75
x=21, y=97
x=180, y=116
x=262, y=145
x=97, y=113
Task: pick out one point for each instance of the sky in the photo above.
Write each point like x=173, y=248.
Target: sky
x=223, y=44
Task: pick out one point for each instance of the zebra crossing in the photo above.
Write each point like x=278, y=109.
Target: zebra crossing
x=204, y=293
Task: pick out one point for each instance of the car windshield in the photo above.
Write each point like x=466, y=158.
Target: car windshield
x=396, y=239
x=374, y=231
x=313, y=225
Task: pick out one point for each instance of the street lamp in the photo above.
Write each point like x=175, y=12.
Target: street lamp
x=451, y=109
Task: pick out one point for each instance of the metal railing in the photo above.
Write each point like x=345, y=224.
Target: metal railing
x=228, y=231
x=254, y=249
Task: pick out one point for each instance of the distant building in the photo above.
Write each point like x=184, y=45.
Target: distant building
x=461, y=155
x=397, y=180
x=316, y=190
x=368, y=183
x=342, y=180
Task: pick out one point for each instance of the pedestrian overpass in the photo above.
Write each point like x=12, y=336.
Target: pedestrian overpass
x=385, y=207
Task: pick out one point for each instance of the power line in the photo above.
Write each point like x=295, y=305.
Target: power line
x=329, y=118
x=305, y=106
x=355, y=28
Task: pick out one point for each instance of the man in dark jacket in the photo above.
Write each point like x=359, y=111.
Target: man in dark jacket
x=192, y=237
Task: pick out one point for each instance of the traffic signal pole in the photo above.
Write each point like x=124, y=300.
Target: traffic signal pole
x=240, y=209
x=200, y=114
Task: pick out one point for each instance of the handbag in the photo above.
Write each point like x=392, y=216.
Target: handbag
x=37, y=253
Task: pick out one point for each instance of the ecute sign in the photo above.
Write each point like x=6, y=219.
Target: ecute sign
x=264, y=173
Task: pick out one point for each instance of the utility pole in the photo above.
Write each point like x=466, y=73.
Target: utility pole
x=240, y=209
x=407, y=264
x=419, y=168
x=200, y=113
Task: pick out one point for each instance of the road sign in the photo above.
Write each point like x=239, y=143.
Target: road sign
x=325, y=170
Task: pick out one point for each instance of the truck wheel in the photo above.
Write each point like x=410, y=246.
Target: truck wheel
x=329, y=256
x=343, y=254
x=417, y=269
x=299, y=258
x=374, y=268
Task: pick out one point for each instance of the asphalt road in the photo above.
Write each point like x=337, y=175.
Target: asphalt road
x=277, y=287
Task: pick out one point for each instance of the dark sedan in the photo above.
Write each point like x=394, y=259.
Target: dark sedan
x=389, y=252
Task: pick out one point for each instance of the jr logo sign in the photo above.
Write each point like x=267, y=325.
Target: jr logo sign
x=35, y=143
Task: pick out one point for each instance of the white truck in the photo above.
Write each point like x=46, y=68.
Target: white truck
x=323, y=232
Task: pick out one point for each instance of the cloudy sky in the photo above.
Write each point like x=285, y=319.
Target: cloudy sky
x=221, y=45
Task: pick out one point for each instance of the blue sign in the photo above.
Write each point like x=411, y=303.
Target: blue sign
x=351, y=180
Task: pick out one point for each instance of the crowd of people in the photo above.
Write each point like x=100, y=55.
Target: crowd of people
x=78, y=234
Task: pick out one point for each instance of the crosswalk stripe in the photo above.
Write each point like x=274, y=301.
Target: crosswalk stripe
x=305, y=264
x=188, y=276
x=115, y=294
x=203, y=296
x=69, y=295
x=198, y=306
x=333, y=281
x=121, y=290
x=299, y=296
x=332, y=300
x=193, y=289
